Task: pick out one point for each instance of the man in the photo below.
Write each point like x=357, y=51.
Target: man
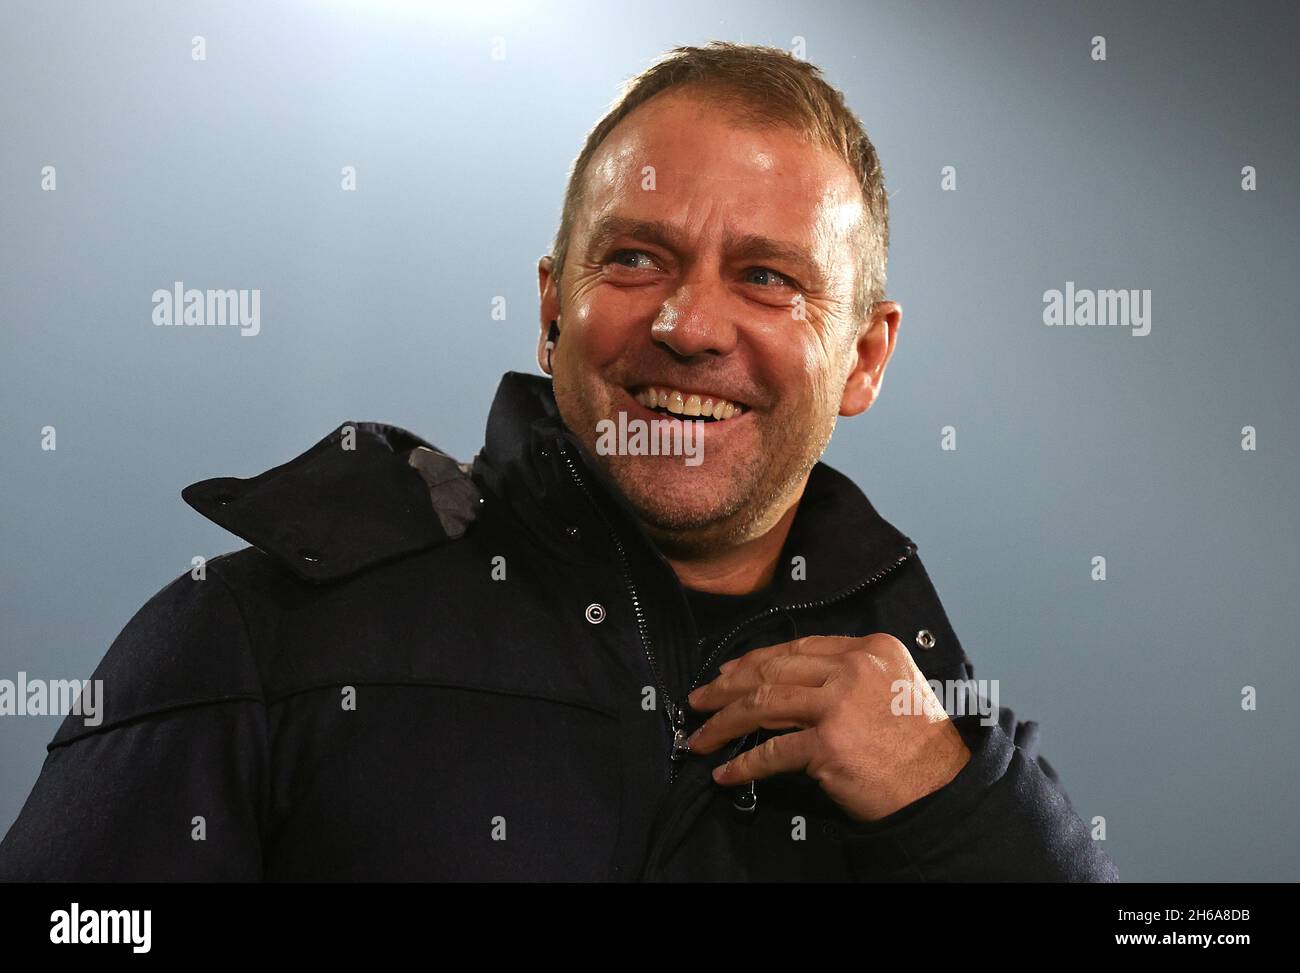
x=515, y=669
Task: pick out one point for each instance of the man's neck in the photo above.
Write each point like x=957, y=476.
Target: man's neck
x=738, y=570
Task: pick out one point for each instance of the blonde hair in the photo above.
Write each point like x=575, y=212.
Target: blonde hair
x=764, y=87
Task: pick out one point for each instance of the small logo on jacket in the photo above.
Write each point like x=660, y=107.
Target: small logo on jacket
x=131, y=926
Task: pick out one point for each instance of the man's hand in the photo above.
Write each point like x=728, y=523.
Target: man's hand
x=839, y=693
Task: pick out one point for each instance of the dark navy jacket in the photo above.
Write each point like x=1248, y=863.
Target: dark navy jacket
x=426, y=671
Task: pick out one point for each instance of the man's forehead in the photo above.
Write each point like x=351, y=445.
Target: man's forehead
x=764, y=175
x=615, y=165
x=740, y=156
x=816, y=223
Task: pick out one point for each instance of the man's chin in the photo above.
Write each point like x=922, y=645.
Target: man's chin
x=670, y=497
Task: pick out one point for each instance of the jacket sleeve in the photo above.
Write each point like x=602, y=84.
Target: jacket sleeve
x=1004, y=818
x=166, y=781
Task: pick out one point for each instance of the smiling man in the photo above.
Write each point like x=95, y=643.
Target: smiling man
x=741, y=286
x=571, y=661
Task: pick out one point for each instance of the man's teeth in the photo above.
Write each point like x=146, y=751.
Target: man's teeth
x=688, y=405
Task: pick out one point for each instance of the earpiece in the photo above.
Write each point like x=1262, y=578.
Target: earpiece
x=552, y=336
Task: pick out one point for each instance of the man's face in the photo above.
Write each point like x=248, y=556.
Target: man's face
x=727, y=272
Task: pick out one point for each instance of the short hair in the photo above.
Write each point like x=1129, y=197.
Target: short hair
x=765, y=87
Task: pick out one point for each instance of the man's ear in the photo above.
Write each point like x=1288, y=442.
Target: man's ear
x=872, y=350
x=548, y=293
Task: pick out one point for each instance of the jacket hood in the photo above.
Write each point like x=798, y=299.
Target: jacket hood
x=360, y=496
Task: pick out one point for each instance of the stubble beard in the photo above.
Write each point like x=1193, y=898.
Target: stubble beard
x=758, y=493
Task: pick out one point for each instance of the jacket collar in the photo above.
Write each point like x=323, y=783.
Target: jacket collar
x=332, y=512
x=530, y=457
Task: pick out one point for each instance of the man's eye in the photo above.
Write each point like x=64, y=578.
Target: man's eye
x=779, y=279
x=620, y=256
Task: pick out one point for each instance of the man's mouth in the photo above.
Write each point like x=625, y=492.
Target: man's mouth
x=694, y=405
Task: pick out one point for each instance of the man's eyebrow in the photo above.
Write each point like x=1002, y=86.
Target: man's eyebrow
x=806, y=267
x=608, y=228
x=749, y=247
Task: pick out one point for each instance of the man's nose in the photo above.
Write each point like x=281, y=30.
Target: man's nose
x=696, y=320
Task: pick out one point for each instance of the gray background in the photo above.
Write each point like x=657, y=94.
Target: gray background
x=376, y=305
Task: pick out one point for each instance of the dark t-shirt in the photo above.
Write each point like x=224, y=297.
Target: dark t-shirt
x=717, y=615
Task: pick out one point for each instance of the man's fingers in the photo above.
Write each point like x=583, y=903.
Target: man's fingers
x=794, y=670
x=770, y=706
x=789, y=752
x=808, y=645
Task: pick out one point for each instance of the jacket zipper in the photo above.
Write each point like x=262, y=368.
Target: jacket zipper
x=748, y=799
x=776, y=609
x=675, y=713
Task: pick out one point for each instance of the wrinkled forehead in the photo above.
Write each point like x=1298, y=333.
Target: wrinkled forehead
x=679, y=159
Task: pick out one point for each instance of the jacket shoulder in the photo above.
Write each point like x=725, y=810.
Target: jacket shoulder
x=365, y=494
x=186, y=646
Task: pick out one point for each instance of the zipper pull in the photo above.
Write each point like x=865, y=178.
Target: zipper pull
x=745, y=798
x=677, y=723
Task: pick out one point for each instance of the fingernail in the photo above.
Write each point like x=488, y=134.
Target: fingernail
x=726, y=665
x=719, y=770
